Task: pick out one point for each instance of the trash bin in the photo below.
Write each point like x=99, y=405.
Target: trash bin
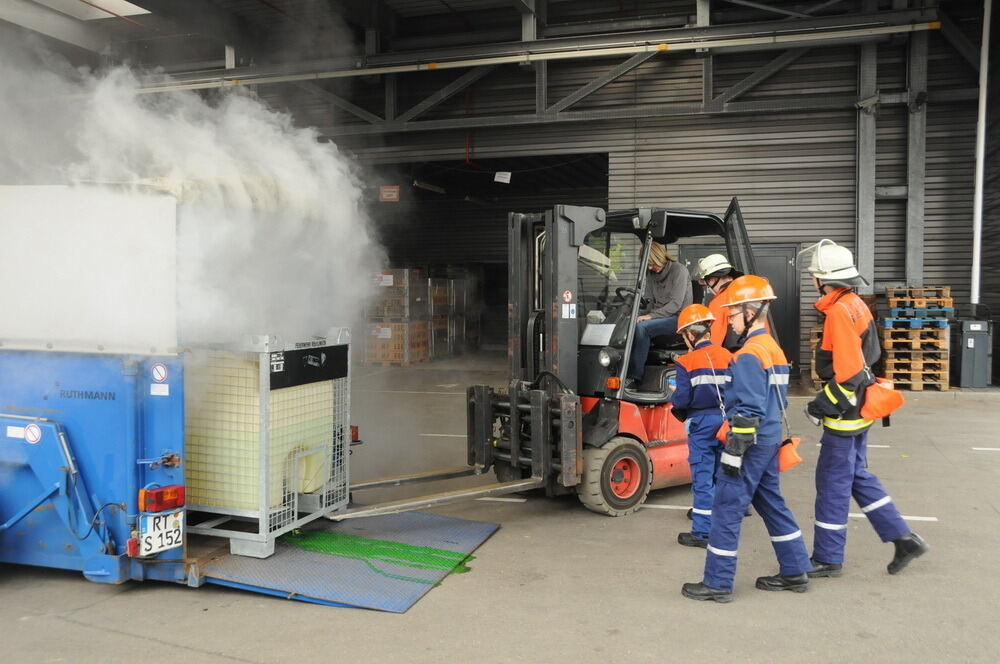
x=971, y=353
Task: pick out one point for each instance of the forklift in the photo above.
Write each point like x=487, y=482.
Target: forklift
x=567, y=422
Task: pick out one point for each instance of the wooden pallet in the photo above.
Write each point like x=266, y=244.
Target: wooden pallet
x=910, y=354
x=917, y=292
x=918, y=339
x=894, y=365
x=920, y=386
x=921, y=302
x=921, y=375
x=912, y=323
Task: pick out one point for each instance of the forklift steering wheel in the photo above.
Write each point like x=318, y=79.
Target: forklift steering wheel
x=624, y=289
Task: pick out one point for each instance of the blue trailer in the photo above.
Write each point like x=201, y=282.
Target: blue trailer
x=84, y=436
x=119, y=440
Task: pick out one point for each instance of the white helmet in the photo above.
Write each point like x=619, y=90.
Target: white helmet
x=833, y=264
x=714, y=264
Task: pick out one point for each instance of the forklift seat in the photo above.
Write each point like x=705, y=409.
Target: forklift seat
x=655, y=388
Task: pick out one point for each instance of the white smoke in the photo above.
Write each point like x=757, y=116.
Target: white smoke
x=274, y=238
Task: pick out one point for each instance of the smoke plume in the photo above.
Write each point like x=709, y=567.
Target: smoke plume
x=273, y=234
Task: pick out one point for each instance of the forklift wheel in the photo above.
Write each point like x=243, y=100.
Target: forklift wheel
x=616, y=477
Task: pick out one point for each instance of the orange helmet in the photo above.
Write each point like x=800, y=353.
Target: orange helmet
x=693, y=313
x=748, y=288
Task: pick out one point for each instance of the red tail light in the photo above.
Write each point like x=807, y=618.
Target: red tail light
x=161, y=498
x=132, y=547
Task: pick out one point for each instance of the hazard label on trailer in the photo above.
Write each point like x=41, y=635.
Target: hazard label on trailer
x=567, y=296
x=32, y=434
x=159, y=371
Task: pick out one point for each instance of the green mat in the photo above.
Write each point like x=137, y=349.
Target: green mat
x=372, y=551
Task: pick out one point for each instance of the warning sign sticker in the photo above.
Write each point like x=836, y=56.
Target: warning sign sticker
x=567, y=295
x=159, y=372
x=32, y=434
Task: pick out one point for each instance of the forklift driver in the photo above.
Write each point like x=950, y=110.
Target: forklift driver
x=668, y=290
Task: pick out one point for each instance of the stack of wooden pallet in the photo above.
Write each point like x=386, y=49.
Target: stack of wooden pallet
x=915, y=337
x=815, y=334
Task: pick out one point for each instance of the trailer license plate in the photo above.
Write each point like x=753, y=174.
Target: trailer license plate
x=159, y=532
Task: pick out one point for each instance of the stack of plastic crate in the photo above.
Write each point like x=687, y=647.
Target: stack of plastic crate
x=915, y=336
x=398, y=330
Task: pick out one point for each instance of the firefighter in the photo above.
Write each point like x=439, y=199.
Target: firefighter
x=697, y=401
x=715, y=273
x=748, y=469
x=848, y=348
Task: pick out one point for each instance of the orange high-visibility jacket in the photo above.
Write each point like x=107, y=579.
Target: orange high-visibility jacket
x=848, y=346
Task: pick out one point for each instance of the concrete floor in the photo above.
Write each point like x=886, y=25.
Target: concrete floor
x=559, y=584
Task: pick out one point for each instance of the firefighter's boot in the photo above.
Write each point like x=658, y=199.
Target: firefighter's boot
x=908, y=547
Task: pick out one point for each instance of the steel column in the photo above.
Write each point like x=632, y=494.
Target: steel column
x=865, y=157
x=707, y=69
x=916, y=148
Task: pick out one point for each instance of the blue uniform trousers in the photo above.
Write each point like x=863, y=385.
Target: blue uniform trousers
x=841, y=472
x=703, y=457
x=759, y=484
x=645, y=330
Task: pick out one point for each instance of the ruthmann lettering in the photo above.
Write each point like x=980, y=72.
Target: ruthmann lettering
x=87, y=394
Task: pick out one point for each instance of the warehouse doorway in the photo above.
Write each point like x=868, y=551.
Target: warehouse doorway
x=449, y=219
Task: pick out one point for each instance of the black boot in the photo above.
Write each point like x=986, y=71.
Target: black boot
x=690, y=539
x=908, y=547
x=821, y=570
x=797, y=583
x=702, y=592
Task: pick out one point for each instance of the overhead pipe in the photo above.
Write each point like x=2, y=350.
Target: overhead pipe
x=977, y=201
x=776, y=40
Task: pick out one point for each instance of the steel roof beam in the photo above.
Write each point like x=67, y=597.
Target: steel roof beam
x=767, y=8
x=524, y=6
x=785, y=27
x=758, y=77
x=801, y=103
x=612, y=75
x=448, y=91
x=339, y=102
x=957, y=38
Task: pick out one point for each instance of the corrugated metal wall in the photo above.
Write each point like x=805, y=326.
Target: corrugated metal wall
x=793, y=171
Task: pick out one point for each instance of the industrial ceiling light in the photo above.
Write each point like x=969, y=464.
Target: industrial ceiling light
x=429, y=187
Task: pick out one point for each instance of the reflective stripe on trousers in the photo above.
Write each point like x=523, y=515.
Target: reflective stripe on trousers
x=703, y=457
x=841, y=472
x=759, y=483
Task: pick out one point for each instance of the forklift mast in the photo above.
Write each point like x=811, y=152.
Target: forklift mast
x=542, y=320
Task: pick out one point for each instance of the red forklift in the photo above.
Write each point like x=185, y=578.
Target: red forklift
x=567, y=422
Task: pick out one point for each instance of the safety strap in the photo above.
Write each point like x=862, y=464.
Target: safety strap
x=718, y=392
x=770, y=381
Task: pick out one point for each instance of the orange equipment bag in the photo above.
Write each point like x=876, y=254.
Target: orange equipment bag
x=881, y=400
x=723, y=431
x=788, y=453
